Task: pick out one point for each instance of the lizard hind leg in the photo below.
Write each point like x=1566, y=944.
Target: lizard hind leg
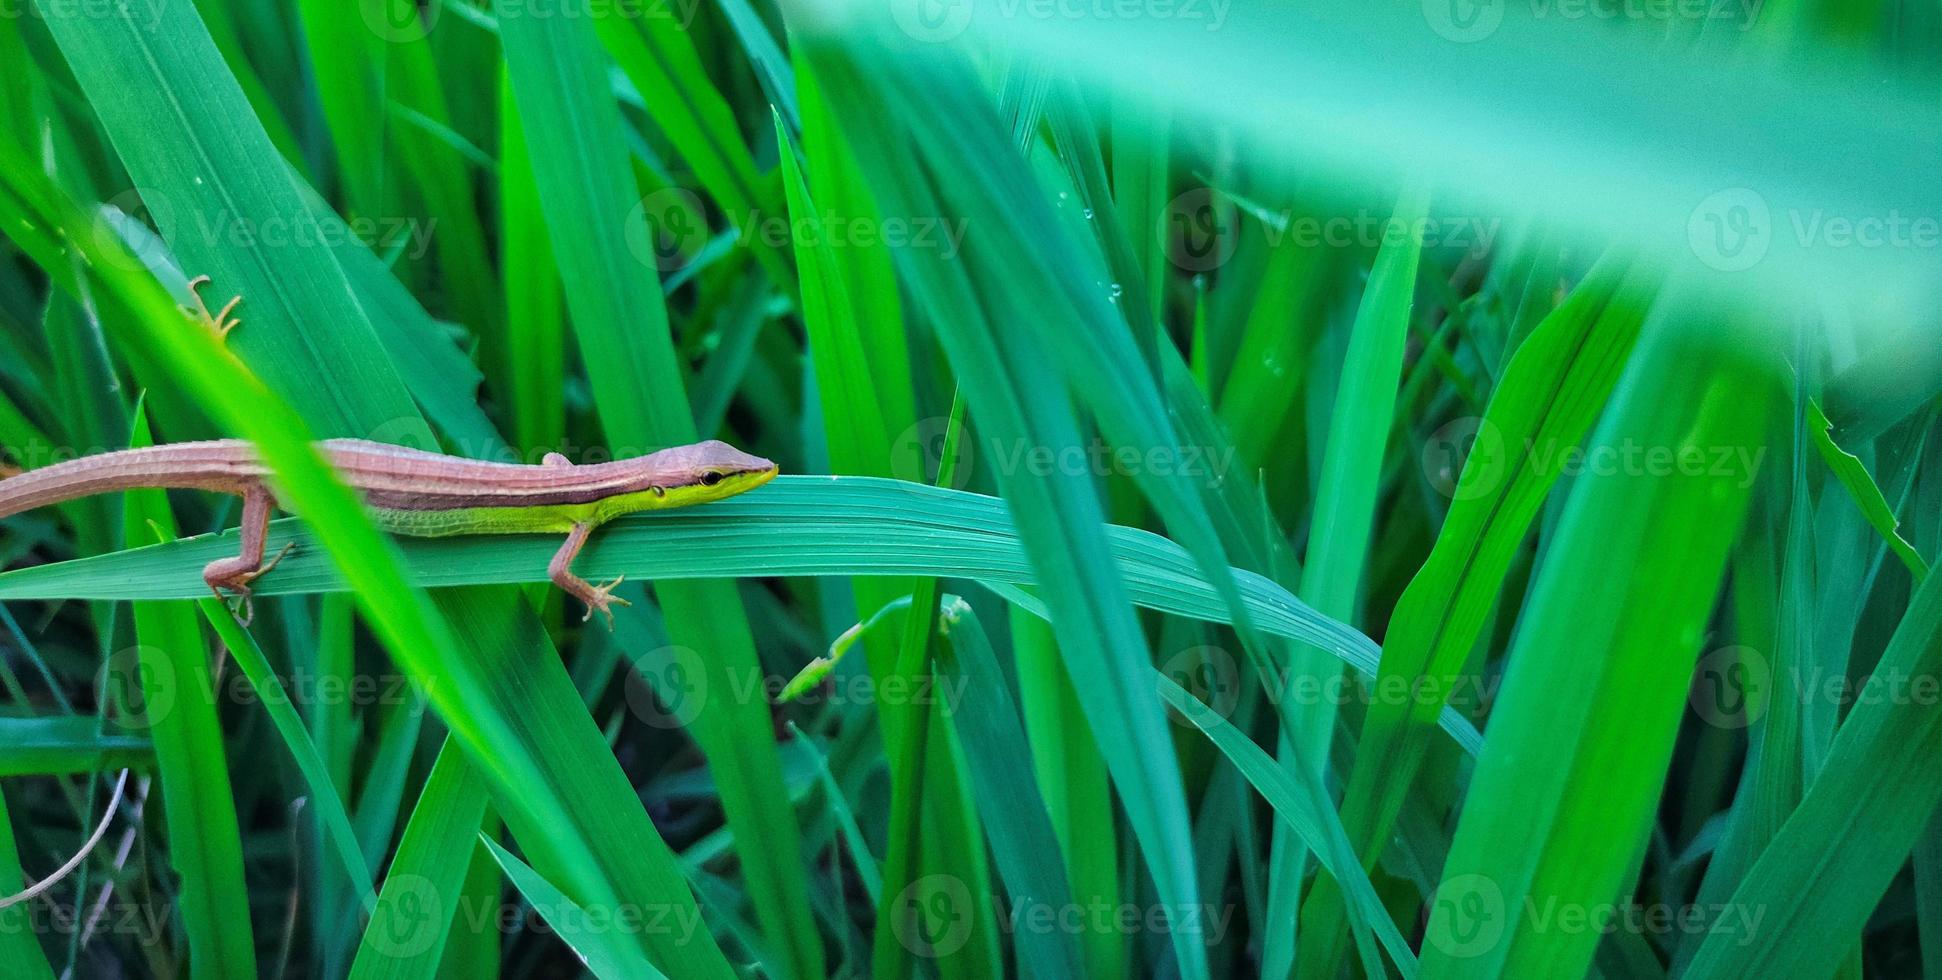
x=236, y=574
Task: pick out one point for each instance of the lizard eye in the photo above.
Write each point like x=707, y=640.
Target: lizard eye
x=710, y=479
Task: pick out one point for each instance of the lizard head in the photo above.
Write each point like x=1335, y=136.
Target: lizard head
x=709, y=471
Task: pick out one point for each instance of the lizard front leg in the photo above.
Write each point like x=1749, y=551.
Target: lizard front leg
x=599, y=599
x=236, y=574
x=221, y=322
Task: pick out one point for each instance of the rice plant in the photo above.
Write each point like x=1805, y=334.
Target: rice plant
x=1287, y=490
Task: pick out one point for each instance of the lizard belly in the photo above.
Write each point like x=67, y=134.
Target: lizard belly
x=550, y=519
x=528, y=518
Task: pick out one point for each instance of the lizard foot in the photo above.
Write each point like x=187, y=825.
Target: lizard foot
x=236, y=575
x=236, y=600
x=601, y=599
x=219, y=323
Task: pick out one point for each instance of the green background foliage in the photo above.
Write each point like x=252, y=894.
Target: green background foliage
x=1286, y=490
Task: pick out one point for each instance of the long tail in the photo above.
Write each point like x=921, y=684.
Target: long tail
x=222, y=466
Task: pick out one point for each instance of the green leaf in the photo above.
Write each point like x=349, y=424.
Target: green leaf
x=938, y=888
x=1582, y=733
x=1015, y=818
x=1498, y=470
x=425, y=882
x=597, y=942
x=573, y=136
x=18, y=940
x=1294, y=789
x=869, y=279
x=173, y=696
x=794, y=526
x=1835, y=856
x=1019, y=267
x=658, y=55
x=68, y=744
x=1339, y=534
x=217, y=207
x=275, y=700
x=535, y=342
x=852, y=419
x=1853, y=475
x=1072, y=778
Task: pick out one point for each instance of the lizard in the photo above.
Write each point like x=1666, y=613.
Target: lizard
x=411, y=492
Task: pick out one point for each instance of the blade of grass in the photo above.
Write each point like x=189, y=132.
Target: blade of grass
x=409, y=88
x=1015, y=818
x=275, y=700
x=980, y=303
x=1073, y=780
x=1140, y=180
x=178, y=701
x=795, y=526
x=330, y=645
x=772, y=68
x=340, y=50
x=66, y=745
x=869, y=278
x=1295, y=791
x=1781, y=736
x=1583, y=729
x=19, y=942
x=856, y=430
x=919, y=912
x=1860, y=485
x=605, y=956
x=1834, y=857
x=853, y=421
x=535, y=340
x=1339, y=534
x=417, y=908
x=658, y=55
x=1551, y=392
x=573, y=132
